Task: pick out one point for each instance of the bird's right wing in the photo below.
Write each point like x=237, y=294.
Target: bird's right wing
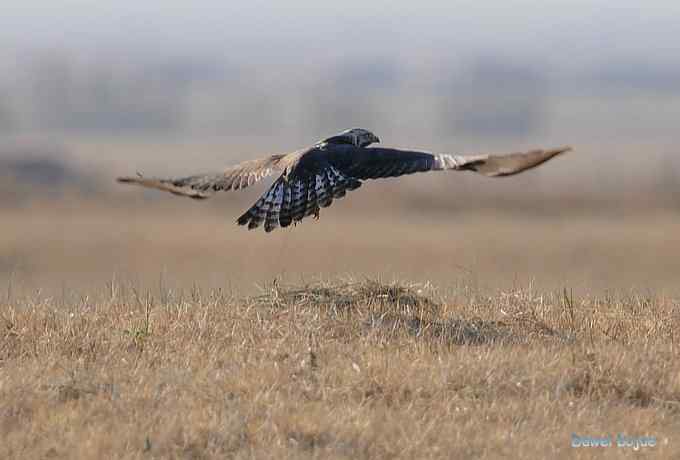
x=204, y=185
x=500, y=165
x=375, y=163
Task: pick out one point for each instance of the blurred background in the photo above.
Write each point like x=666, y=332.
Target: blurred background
x=94, y=89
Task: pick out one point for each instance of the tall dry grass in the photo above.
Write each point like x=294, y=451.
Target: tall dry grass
x=341, y=369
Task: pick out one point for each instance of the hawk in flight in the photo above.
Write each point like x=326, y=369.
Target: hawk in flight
x=312, y=177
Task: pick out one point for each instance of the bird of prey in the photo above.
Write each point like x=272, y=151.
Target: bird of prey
x=311, y=178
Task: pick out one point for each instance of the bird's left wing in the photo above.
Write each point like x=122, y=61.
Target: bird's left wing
x=375, y=163
x=203, y=186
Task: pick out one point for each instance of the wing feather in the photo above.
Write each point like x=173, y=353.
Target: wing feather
x=376, y=163
x=508, y=164
x=204, y=185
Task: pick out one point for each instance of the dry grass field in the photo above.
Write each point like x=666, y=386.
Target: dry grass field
x=348, y=369
x=141, y=326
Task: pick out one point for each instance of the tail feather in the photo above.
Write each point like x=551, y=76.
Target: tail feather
x=327, y=185
x=272, y=219
x=312, y=207
x=250, y=214
x=289, y=201
x=285, y=217
x=257, y=213
x=299, y=201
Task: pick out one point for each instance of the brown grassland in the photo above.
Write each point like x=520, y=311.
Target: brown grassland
x=145, y=327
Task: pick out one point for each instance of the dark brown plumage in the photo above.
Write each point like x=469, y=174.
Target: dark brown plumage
x=312, y=178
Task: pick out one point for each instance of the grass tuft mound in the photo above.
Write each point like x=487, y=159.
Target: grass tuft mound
x=354, y=295
x=395, y=308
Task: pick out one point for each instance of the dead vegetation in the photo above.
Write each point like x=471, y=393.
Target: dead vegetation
x=341, y=369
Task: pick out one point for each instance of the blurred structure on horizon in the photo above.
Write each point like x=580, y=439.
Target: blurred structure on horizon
x=454, y=76
x=183, y=97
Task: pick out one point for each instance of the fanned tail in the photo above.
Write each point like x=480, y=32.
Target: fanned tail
x=254, y=216
x=291, y=200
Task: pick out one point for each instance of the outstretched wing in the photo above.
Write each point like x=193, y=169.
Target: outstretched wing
x=324, y=175
x=204, y=185
x=375, y=163
x=505, y=165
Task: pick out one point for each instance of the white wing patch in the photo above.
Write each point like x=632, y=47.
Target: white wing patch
x=444, y=161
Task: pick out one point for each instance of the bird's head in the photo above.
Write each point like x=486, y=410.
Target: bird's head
x=356, y=136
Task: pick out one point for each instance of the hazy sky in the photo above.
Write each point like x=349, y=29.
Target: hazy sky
x=557, y=29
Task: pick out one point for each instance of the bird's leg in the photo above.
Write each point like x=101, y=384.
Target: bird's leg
x=317, y=213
